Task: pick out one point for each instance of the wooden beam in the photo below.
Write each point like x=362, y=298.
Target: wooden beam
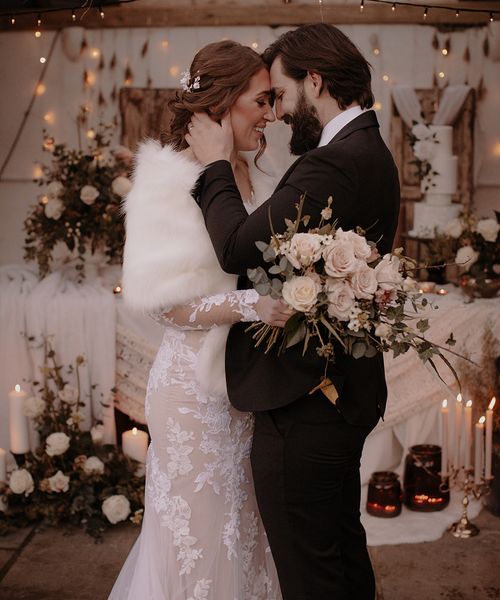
x=134, y=15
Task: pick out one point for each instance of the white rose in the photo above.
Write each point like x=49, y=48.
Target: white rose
x=466, y=256
x=361, y=247
x=121, y=186
x=21, y=482
x=340, y=258
x=88, y=194
x=93, y=465
x=69, y=395
x=301, y=293
x=488, y=228
x=425, y=150
x=387, y=273
x=56, y=444
x=116, y=508
x=304, y=249
x=383, y=330
x=55, y=189
x=59, y=482
x=364, y=282
x=54, y=208
x=33, y=407
x=340, y=300
x=122, y=153
x=421, y=131
x=454, y=228
x=97, y=433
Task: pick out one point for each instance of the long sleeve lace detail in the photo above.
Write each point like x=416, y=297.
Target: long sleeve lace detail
x=212, y=311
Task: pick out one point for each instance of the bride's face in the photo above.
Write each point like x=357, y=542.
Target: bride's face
x=252, y=112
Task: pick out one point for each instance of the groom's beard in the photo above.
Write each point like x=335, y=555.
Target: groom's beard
x=306, y=127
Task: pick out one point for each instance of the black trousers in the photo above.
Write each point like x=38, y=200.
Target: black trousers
x=305, y=462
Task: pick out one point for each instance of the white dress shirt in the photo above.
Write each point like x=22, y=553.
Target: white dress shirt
x=331, y=129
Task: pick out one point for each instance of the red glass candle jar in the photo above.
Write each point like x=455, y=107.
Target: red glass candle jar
x=424, y=490
x=384, y=495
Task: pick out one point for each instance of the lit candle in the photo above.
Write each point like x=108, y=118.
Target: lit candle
x=135, y=444
x=3, y=465
x=489, y=438
x=468, y=434
x=478, y=450
x=458, y=431
x=452, y=437
x=444, y=438
x=18, y=422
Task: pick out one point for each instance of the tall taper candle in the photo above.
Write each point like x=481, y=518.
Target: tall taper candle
x=468, y=434
x=444, y=438
x=18, y=422
x=478, y=450
x=451, y=435
x=458, y=431
x=3, y=465
x=489, y=439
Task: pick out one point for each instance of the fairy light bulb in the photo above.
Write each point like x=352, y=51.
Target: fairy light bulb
x=38, y=33
x=393, y=7
x=377, y=105
x=362, y=6
x=255, y=45
x=101, y=13
x=164, y=44
x=376, y=51
x=91, y=134
x=491, y=17
x=444, y=52
x=174, y=71
x=426, y=12
x=95, y=53
x=43, y=60
x=12, y=20
x=73, y=15
x=37, y=172
x=40, y=89
x=39, y=21
x=441, y=74
x=457, y=14
x=49, y=117
x=385, y=77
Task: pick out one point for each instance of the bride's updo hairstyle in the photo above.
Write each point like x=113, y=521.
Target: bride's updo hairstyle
x=219, y=74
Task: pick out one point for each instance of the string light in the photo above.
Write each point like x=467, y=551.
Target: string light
x=393, y=7
x=37, y=172
x=255, y=45
x=40, y=89
x=385, y=77
x=38, y=34
x=164, y=44
x=444, y=52
x=12, y=20
x=362, y=6
x=174, y=71
x=441, y=74
x=91, y=134
x=101, y=13
x=376, y=51
x=95, y=53
x=43, y=59
x=73, y=15
x=425, y=13
x=491, y=17
x=39, y=20
x=49, y=117
x=457, y=14
x=377, y=105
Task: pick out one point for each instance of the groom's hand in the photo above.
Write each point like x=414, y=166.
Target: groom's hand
x=209, y=140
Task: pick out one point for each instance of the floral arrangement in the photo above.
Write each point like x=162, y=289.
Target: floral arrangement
x=423, y=144
x=72, y=477
x=80, y=202
x=346, y=295
x=470, y=242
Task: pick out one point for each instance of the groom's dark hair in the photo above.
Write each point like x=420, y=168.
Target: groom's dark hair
x=324, y=49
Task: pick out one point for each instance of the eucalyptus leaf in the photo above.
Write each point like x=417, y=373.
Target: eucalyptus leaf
x=297, y=336
x=358, y=349
x=262, y=246
x=263, y=289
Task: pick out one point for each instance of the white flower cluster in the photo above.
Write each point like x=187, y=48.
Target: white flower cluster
x=350, y=275
x=424, y=147
x=487, y=228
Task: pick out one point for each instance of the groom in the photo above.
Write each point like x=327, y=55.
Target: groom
x=307, y=449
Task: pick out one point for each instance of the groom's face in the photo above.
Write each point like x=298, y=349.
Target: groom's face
x=293, y=107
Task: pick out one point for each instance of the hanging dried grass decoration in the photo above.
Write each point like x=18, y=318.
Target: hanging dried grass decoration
x=435, y=42
x=112, y=62
x=113, y=94
x=486, y=46
x=144, y=50
x=481, y=89
x=466, y=55
x=128, y=76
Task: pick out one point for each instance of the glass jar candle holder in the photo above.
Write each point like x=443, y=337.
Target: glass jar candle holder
x=424, y=489
x=384, y=495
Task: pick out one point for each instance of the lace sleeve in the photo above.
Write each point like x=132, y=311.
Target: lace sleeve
x=211, y=311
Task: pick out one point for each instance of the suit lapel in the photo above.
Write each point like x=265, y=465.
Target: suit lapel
x=367, y=119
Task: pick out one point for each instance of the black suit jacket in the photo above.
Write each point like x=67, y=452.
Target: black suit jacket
x=357, y=169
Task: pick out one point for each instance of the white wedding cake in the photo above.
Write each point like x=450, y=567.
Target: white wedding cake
x=436, y=209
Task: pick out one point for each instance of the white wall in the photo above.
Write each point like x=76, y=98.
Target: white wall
x=406, y=56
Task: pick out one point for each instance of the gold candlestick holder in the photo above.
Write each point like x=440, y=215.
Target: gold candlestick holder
x=464, y=479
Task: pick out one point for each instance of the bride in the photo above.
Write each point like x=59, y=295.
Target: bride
x=202, y=537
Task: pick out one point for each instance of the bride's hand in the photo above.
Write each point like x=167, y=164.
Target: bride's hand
x=273, y=311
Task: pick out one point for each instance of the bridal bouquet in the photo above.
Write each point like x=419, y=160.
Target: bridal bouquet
x=346, y=295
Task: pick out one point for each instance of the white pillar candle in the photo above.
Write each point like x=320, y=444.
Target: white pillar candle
x=451, y=436
x=478, y=450
x=468, y=434
x=18, y=422
x=3, y=465
x=135, y=444
x=458, y=432
x=444, y=438
x=489, y=439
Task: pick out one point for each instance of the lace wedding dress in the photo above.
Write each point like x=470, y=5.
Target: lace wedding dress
x=202, y=537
